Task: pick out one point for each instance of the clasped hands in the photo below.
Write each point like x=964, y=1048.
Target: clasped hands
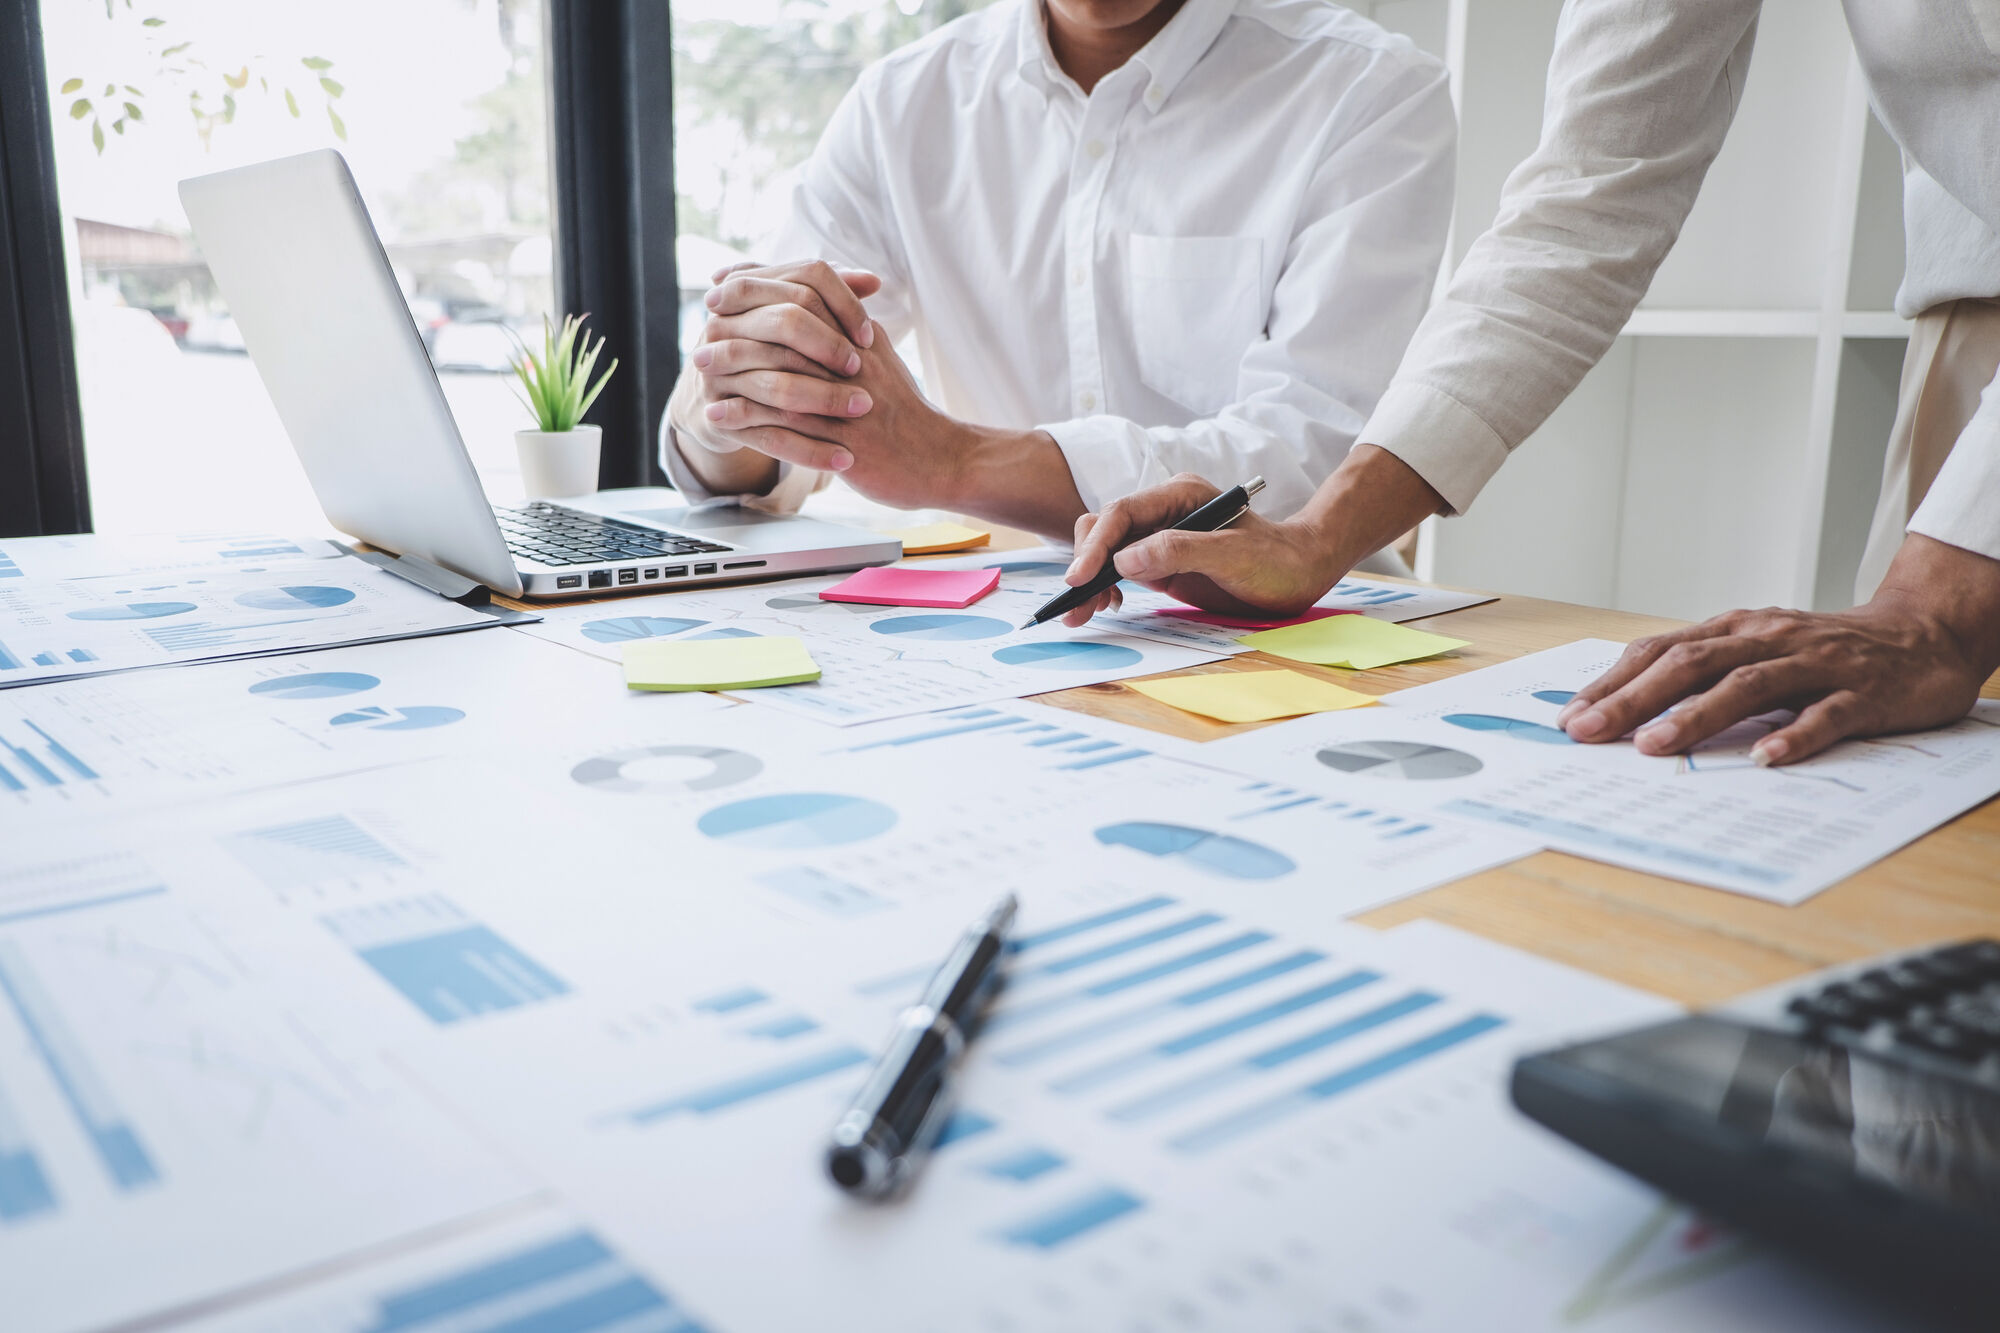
x=791, y=367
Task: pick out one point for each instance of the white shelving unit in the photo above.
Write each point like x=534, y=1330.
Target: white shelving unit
x=1728, y=449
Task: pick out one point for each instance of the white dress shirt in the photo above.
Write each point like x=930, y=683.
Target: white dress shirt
x=1640, y=95
x=1209, y=264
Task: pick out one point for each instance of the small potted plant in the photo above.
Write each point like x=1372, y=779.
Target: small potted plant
x=559, y=456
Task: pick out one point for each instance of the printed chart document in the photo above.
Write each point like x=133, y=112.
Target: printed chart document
x=57, y=628
x=1483, y=747
x=1038, y=574
x=1183, y=1114
x=88, y=749
x=878, y=661
x=84, y=555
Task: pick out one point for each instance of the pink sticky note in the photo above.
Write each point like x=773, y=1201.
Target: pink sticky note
x=1234, y=622
x=895, y=585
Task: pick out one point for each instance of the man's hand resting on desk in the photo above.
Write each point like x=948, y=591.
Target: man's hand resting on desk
x=1254, y=566
x=1913, y=657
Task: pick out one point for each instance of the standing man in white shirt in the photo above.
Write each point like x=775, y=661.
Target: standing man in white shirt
x=1131, y=238
x=1641, y=93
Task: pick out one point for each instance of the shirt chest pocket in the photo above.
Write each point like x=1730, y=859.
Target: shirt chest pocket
x=1197, y=305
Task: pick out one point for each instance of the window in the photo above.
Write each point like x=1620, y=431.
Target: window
x=444, y=124
x=755, y=82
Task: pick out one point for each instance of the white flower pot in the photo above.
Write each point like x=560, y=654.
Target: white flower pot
x=557, y=463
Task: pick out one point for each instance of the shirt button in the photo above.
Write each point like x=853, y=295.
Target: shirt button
x=1095, y=148
x=1154, y=96
x=1088, y=402
x=1076, y=277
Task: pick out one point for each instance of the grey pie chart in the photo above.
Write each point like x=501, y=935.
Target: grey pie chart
x=1407, y=760
x=726, y=768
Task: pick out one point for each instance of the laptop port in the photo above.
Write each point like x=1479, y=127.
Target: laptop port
x=652, y=574
x=569, y=581
x=600, y=578
x=628, y=575
x=675, y=571
x=704, y=569
x=745, y=564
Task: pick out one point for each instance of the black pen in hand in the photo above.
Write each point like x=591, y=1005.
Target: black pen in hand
x=1220, y=512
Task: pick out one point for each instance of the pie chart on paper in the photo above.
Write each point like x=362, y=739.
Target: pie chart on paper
x=315, y=685
x=942, y=628
x=295, y=597
x=1518, y=728
x=1405, y=760
x=1069, y=655
x=796, y=821
x=623, y=629
x=1215, y=853
x=133, y=611
x=421, y=718
x=667, y=767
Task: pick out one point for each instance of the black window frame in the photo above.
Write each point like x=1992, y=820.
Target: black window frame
x=610, y=98
x=43, y=488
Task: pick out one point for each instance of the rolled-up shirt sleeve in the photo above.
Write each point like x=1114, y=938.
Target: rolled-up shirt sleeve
x=1640, y=96
x=1962, y=507
x=1356, y=278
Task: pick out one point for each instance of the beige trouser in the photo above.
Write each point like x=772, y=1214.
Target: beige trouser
x=1954, y=351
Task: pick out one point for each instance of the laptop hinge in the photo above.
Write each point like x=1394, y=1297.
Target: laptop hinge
x=433, y=578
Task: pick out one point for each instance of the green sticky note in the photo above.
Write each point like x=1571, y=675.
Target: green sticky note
x=1356, y=642
x=718, y=664
x=1251, y=696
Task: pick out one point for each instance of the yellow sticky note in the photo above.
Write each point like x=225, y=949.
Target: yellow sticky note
x=1356, y=642
x=718, y=664
x=1251, y=696
x=934, y=538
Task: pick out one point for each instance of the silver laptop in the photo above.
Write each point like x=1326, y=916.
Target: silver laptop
x=295, y=256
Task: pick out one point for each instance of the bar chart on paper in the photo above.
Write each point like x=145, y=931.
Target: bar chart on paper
x=442, y=961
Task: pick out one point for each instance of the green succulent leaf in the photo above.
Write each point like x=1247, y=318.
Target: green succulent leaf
x=97, y=135
x=339, y=125
x=291, y=104
x=152, y=23
x=79, y=108
x=71, y=85
x=316, y=62
x=132, y=111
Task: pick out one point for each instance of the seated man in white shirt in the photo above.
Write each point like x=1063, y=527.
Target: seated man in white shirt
x=1640, y=97
x=1131, y=238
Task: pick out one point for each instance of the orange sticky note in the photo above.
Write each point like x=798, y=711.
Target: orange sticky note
x=895, y=585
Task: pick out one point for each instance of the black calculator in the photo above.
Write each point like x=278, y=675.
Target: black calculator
x=1851, y=1118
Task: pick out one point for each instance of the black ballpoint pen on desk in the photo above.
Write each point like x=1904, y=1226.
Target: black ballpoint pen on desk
x=1220, y=512
x=896, y=1116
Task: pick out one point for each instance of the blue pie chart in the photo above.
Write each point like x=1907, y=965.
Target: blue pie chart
x=621, y=629
x=133, y=611
x=1030, y=567
x=316, y=685
x=1214, y=853
x=942, y=628
x=797, y=821
x=1556, y=697
x=1518, y=728
x=1068, y=655
x=295, y=597
x=420, y=718
x=727, y=632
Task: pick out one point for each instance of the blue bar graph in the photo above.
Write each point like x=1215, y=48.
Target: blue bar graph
x=1031, y=1009
x=1116, y=757
x=1590, y=835
x=1092, y=747
x=1079, y=1216
x=8, y=662
x=1231, y=1127
x=449, y=967
x=61, y=766
x=8, y=782
x=815, y=888
x=729, y=1001
x=749, y=1087
x=24, y=1187
x=1117, y=948
x=117, y=1145
x=64, y=756
x=47, y=659
x=1125, y=1020
x=1022, y=1164
x=991, y=721
x=1273, y=1057
x=1188, y=1042
x=782, y=1028
x=1023, y=943
x=82, y=655
x=572, y=1284
x=962, y=1125
x=1057, y=739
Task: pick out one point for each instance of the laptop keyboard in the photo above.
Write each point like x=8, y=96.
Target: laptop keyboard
x=553, y=535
